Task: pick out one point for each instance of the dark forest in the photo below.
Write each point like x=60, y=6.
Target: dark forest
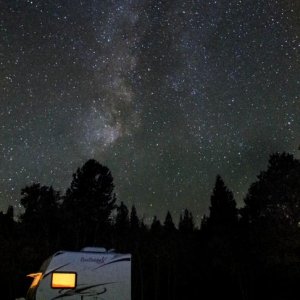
x=252, y=252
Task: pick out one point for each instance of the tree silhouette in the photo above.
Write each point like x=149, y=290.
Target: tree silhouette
x=134, y=220
x=223, y=212
x=168, y=223
x=89, y=202
x=40, y=217
x=186, y=222
x=10, y=213
x=8, y=255
x=38, y=201
x=156, y=226
x=122, y=227
x=7, y=223
x=276, y=194
x=122, y=218
x=220, y=230
x=122, y=224
x=271, y=218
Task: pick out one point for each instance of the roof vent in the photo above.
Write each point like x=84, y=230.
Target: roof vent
x=93, y=249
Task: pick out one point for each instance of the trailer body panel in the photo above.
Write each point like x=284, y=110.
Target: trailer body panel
x=84, y=275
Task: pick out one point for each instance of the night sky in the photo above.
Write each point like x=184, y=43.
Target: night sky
x=167, y=94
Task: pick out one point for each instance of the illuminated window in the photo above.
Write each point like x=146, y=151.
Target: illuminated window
x=63, y=280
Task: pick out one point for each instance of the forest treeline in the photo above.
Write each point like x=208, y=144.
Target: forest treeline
x=248, y=253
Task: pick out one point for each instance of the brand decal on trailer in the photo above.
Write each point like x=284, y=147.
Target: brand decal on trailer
x=97, y=260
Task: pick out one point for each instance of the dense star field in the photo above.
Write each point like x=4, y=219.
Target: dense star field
x=167, y=94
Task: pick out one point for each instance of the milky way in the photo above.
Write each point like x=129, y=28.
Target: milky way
x=167, y=94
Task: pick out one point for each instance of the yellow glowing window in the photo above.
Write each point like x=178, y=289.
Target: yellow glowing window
x=63, y=280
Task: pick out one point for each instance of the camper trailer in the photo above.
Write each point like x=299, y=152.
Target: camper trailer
x=92, y=273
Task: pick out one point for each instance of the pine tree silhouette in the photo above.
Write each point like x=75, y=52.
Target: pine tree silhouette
x=223, y=212
x=186, y=222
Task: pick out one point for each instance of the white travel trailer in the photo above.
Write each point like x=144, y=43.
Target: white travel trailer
x=92, y=273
